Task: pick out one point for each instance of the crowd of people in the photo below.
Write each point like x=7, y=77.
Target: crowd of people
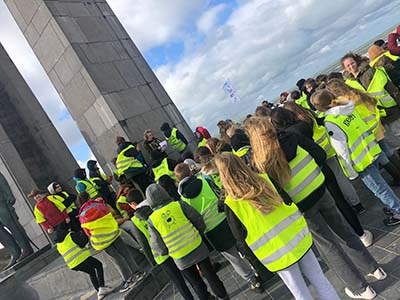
x=262, y=194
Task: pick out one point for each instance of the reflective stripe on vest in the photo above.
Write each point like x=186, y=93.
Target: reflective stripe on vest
x=177, y=232
x=376, y=88
x=126, y=162
x=370, y=118
x=278, y=239
x=143, y=227
x=306, y=176
x=62, y=199
x=242, y=151
x=90, y=188
x=72, y=254
x=175, y=142
x=206, y=203
x=162, y=169
x=103, y=231
x=321, y=138
x=360, y=142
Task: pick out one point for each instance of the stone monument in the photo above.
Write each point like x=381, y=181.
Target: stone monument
x=101, y=76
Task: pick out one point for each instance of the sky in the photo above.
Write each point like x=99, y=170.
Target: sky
x=261, y=46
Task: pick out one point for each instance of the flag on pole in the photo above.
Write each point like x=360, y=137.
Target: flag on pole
x=230, y=91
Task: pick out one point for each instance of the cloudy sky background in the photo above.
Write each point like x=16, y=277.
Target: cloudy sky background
x=261, y=46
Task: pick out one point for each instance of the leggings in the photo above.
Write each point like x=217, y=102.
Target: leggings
x=94, y=268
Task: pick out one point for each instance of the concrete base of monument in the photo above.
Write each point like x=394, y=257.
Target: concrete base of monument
x=46, y=277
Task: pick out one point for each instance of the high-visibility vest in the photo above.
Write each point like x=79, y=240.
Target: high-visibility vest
x=40, y=218
x=202, y=143
x=242, y=151
x=361, y=143
x=162, y=169
x=175, y=142
x=177, y=232
x=53, y=198
x=306, y=176
x=278, y=239
x=120, y=200
x=124, y=163
x=72, y=254
x=387, y=53
x=370, y=118
x=103, y=231
x=142, y=225
x=216, y=179
x=90, y=188
x=101, y=177
x=376, y=88
x=321, y=138
x=302, y=101
x=206, y=203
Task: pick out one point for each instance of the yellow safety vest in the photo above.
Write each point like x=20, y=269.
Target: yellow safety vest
x=306, y=176
x=278, y=239
x=142, y=225
x=177, y=232
x=372, y=119
x=122, y=199
x=206, y=203
x=53, y=198
x=376, y=88
x=72, y=254
x=216, y=179
x=321, y=138
x=126, y=162
x=175, y=142
x=202, y=143
x=302, y=101
x=387, y=53
x=39, y=217
x=162, y=169
x=104, y=231
x=361, y=143
x=242, y=151
x=90, y=188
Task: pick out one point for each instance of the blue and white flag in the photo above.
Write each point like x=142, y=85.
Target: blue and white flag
x=230, y=91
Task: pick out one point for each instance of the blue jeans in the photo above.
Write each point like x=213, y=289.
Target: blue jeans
x=387, y=152
x=377, y=185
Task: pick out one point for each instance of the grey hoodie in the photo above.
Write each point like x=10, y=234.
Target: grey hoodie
x=157, y=197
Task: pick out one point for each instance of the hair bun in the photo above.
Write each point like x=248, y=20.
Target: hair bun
x=321, y=86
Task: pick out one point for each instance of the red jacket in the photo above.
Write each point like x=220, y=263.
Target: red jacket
x=392, y=42
x=51, y=213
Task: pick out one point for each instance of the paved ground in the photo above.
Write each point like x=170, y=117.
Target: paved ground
x=386, y=250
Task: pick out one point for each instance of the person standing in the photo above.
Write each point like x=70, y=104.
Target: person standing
x=82, y=184
x=175, y=138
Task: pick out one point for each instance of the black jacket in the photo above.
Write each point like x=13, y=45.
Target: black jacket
x=220, y=237
x=289, y=142
x=179, y=135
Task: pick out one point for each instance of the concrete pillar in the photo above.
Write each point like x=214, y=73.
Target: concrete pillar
x=101, y=76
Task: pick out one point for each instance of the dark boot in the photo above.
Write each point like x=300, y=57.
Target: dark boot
x=394, y=172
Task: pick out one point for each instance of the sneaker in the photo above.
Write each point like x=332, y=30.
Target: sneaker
x=255, y=285
x=367, y=238
x=125, y=287
x=387, y=211
x=392, y=220
x=367, y=294
x=359, y=209
x=103, y=292
x=379, y=274
x=135, y=279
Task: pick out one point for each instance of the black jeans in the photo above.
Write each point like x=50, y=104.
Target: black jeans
x=199, y=286
x=94, y=268
x=341, y=203
x=141, y=179
x=177, y=279
x=351, y=263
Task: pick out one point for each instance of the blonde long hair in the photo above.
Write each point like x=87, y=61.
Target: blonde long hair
x=268, y=156
x=242, y=183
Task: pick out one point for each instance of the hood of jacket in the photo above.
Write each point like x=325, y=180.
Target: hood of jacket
x=239, y=140
x=362, y=68
x=156, y=195
x=288, y=142
x=347, y=108
x=60, y=235
x=79, y=174
x=51, y=189
x=156, y=163
x=123, y=146
x=144, y=212
x=91, y=164
x=190, y=187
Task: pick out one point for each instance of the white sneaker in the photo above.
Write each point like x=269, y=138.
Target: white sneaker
x=368, y=294
x=367, y=238
x=379, y=274
x=103, y=292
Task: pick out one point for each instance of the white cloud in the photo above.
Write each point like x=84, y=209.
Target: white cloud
x=153, y=22
x=209, y=18
x=265, y=47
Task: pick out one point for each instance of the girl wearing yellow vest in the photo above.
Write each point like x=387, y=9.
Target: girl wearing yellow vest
x=358, y=150
x=276, y=233
x=294, y=163
x=71, y=246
